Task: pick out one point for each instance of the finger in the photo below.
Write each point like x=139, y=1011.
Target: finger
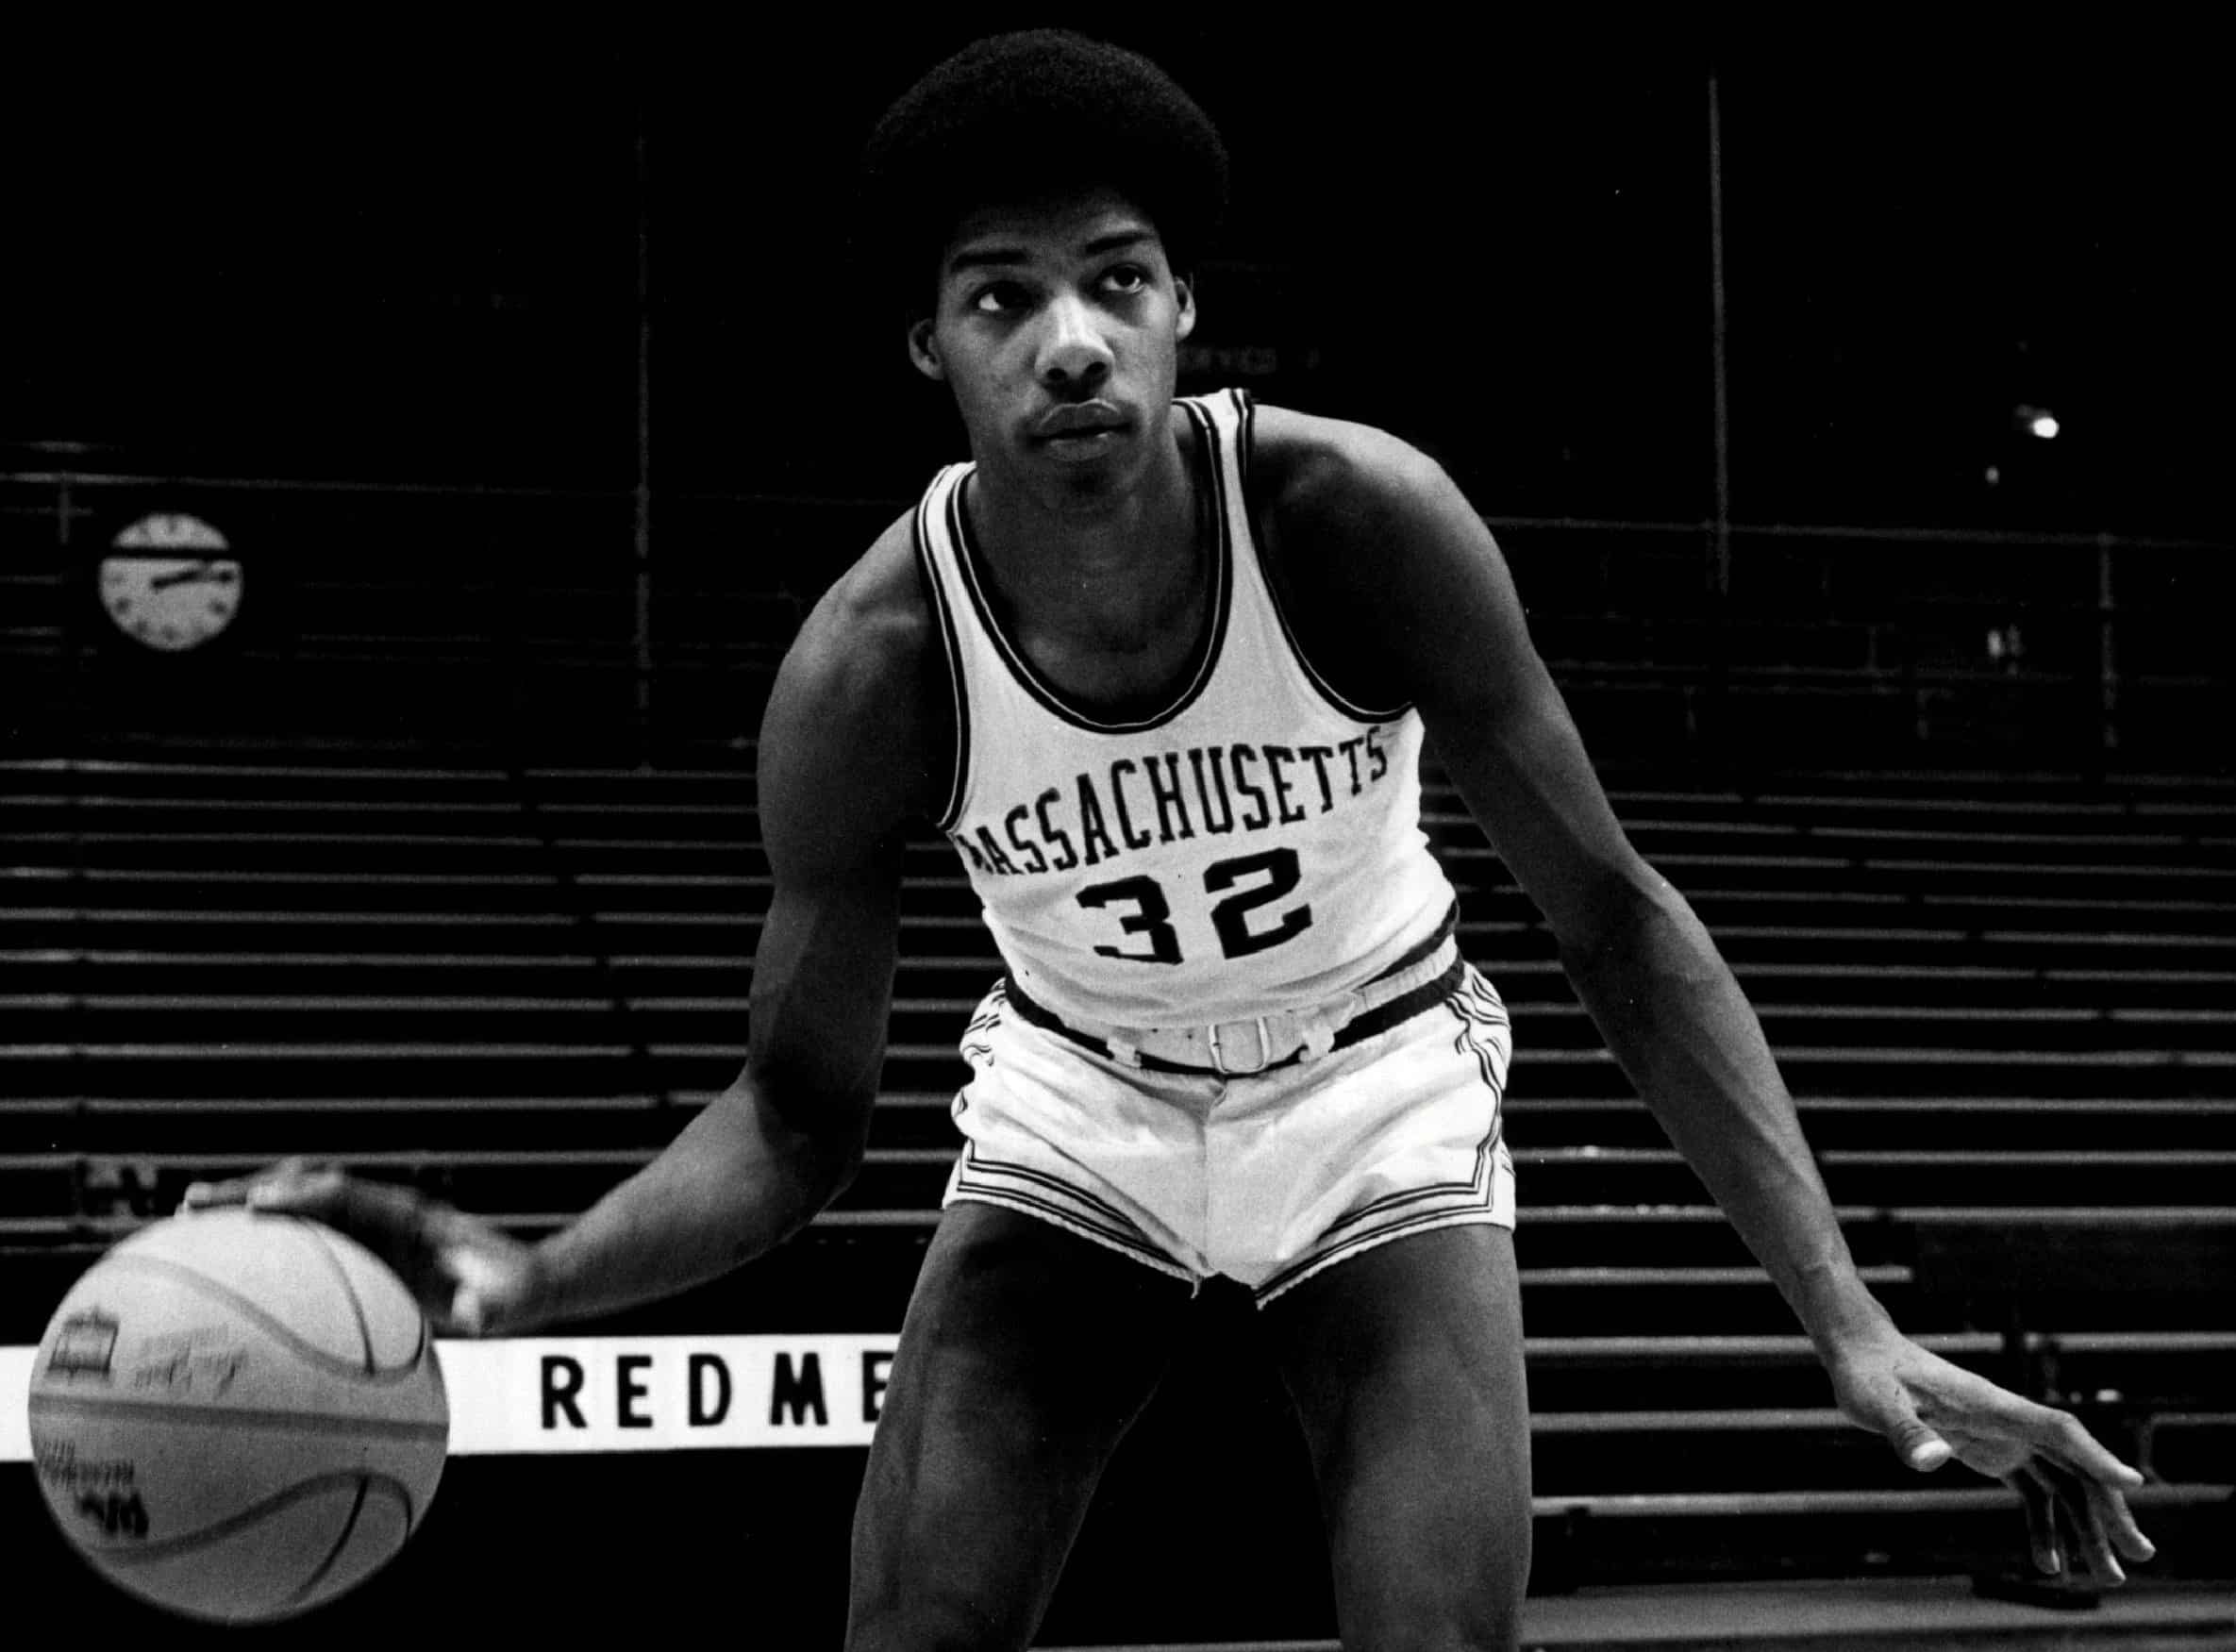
x=2081, y=1517
x=368, y=1207
x=1916, y=1442
x=296, y=1187
x=468, y=1314
x=1875, y=1400
x=393, y=1221
x=1925, y=1450
x=2065, y=1440
x=281, y=1182
x=479, y=1296
x=2119, y=1523
x=2038, y=1504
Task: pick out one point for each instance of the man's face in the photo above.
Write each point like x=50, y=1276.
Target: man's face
x=1058, y=328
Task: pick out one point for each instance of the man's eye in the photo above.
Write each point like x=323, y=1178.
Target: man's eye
x=1127, y=278
x=1001, y=296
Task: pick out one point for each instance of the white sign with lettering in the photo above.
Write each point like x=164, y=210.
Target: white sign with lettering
x=663, y=1393
x=536, y=1395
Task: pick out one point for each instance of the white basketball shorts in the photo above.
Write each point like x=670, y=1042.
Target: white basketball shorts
x=1266, y=1179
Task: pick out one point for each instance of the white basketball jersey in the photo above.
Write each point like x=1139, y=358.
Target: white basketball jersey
x=1254, y=846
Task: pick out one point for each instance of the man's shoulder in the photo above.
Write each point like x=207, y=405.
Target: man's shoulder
x=869, y=630
x=856, y=696
x=843, y=757
x=1310, y=472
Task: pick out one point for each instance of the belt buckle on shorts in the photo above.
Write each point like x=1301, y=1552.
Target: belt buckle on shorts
x=1228, y=1069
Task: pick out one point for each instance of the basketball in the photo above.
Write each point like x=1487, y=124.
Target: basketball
x=237, y=1417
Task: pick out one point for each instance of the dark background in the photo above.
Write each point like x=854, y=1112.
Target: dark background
x=407, y=255
x=393, y=250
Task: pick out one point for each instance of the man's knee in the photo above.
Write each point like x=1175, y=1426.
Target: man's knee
x=941, y=1564
x=1457, y=1583
x=1405, y=1367
x=1021, y=1365
x=1432, y=1624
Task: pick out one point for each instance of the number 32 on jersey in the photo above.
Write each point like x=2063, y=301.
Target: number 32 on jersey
x=1248, y=883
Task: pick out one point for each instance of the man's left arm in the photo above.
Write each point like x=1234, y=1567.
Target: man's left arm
x=1451, y=631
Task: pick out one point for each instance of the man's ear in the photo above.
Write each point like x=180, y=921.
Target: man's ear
x=1184, y=295
x=923, y=350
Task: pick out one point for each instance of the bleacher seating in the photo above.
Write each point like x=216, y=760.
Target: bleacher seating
x=1996, y=997
x=467, y=894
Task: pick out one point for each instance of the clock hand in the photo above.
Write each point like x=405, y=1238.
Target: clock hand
x=204, y=574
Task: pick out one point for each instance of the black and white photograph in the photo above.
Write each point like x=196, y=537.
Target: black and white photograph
x=1022, y=831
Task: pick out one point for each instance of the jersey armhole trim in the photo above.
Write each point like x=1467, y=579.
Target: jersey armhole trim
x=1245, y=438
x=935, y=593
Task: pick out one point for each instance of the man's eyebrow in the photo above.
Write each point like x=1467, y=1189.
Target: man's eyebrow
x=985, y=258
x=1009, y=257
x=1116, y=240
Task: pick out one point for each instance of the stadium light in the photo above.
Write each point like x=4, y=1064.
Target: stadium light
x=2038, y=421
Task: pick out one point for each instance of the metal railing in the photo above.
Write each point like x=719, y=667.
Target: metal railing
x=422, y=609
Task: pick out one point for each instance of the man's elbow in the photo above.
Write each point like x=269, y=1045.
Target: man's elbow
x=839, y=1157
x=828, y=1150
x=1614, y=907
x=819, y=1143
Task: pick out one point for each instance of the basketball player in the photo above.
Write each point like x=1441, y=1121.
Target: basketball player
x=1161, y=671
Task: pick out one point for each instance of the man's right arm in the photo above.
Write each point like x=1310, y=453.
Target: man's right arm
x=843, y=765
x=840, y=764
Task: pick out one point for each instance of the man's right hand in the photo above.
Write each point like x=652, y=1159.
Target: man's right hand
x=471, y=1279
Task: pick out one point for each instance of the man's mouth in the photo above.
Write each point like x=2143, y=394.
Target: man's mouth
x=1082, y=422
x=1082, y=446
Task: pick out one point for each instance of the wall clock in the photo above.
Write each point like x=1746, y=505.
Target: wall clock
x=170, y=583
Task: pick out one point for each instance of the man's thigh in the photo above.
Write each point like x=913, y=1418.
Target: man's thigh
x=1406, y=1365
x=1027, y=1354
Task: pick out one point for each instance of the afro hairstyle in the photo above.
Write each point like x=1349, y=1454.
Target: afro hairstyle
x=1018, y=116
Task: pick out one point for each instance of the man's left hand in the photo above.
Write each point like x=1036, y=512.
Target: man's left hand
x=1932, y=1411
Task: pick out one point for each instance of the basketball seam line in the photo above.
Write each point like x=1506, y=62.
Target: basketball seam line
x=167, y=1548
x=240, y=1417
x=349, y=1291
x=349, y=1529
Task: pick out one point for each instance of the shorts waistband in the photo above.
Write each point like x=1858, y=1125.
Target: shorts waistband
x=1231, y=1049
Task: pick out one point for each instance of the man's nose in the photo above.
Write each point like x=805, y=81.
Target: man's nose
x=1072, y=350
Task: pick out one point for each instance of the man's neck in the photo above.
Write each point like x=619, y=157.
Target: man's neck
x=1108, y=572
